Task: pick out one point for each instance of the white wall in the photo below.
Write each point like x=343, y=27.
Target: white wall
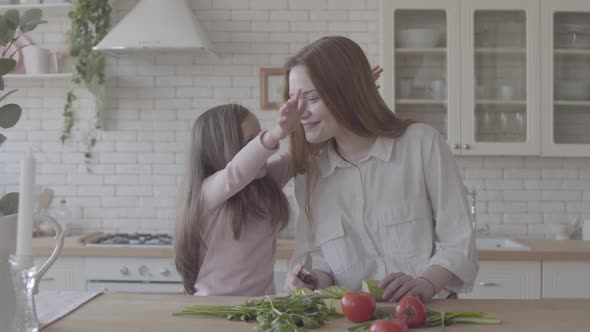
x=152, y=101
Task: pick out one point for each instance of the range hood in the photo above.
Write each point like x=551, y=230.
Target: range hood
x=157, y=25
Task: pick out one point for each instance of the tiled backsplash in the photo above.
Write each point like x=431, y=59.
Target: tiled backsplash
x=152, y=100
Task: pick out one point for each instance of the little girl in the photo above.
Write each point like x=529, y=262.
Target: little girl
x=232, y=205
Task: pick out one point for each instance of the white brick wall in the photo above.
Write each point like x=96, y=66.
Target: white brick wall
x=152, y=101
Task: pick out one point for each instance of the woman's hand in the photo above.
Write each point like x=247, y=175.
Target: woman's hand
x=396, y=285
x=293, y=282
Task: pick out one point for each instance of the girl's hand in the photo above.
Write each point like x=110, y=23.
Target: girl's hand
x=293, y=282
x=377, y=70
x=289, y=116
x=396, y=285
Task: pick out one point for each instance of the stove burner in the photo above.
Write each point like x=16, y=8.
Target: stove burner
x=132, y=239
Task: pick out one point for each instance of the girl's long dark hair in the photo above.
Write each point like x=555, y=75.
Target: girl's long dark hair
x=216, y=138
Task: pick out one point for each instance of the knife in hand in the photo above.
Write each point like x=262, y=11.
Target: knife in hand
x=305, y=273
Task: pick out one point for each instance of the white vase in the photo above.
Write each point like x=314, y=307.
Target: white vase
x=7, y=247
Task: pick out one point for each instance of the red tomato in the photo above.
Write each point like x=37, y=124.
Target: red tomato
x=411, y=310
x=383, y=325
x=358, y=307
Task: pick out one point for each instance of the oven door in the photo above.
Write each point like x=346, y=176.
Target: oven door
x=135, y=287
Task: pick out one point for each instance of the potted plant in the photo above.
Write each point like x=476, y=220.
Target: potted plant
x=90, y=22
x=12, y=27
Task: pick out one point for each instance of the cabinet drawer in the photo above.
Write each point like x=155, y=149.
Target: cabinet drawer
x=507, y=280
x=281, y=270
x=66, y=274
x=566, y=280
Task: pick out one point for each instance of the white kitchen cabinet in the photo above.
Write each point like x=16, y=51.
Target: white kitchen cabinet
x=469, y=68
x=421, y=61
x=480, y=72
x=566, y=279
x=66, y=274
x=566, y=77
x=507, y=280
x=281, y=269
x=500, y=99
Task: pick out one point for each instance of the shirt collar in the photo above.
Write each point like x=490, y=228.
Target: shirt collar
x=329, y=158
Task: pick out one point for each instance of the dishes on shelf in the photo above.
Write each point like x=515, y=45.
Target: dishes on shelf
x=418, y=38
x=575, y=36
x=572, y=90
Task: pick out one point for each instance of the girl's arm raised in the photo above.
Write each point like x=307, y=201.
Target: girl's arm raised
x=238, y=173
x=246, y=164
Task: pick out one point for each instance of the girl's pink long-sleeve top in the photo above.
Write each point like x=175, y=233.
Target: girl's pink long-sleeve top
x=244, y=266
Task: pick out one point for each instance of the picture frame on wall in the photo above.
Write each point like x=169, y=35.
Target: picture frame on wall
x=271, y=88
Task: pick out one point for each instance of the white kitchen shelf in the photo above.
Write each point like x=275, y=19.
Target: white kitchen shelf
x=569, y=51
x=499, y=102
x=38, y=76
x=500, y=50
x=572, y=103
x=420, y=101
x=434, y=50
x=45, y=7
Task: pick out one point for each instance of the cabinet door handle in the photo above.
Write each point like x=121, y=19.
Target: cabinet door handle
x=487, y=284
x=466, y=146
x=457, y=146
x=48, y=279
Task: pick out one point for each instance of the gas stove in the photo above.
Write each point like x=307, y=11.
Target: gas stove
x=148, y=240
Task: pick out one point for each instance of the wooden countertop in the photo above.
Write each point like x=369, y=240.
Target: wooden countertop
x=562, y=250
x=542, y=250
x=143, y=312
x=74, y=247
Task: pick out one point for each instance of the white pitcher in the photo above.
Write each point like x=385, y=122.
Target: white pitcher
x=39, y=60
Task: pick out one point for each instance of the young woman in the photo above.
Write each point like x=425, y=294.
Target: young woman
x=381, y=197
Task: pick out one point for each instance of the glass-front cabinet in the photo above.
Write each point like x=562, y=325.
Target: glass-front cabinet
x=500, y=77
x=469, y=68
x=421, y=61
x=566, y=77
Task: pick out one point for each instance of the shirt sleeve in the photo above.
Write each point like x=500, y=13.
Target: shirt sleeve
x=304, y=244
x=238, y=173
x=454, y=236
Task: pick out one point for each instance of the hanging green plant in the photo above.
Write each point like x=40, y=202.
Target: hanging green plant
x=90, y=22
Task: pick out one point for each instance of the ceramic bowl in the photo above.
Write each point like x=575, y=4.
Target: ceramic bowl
x=417, y=38
x=572, y=90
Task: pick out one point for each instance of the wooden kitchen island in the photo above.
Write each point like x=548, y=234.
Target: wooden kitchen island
x=146, y=312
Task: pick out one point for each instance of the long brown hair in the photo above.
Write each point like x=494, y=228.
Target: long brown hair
x=342, y=76
x=216, y=138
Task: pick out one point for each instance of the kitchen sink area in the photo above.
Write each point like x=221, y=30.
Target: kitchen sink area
x=499, y=244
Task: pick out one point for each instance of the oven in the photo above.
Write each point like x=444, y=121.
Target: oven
x=132, y=274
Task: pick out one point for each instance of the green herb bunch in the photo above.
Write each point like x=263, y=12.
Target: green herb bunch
x=299, y=311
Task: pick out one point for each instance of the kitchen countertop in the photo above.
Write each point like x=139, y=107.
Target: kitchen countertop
x=148, y=312
x=542, y=250
x=74, y=247
x=562, y=250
